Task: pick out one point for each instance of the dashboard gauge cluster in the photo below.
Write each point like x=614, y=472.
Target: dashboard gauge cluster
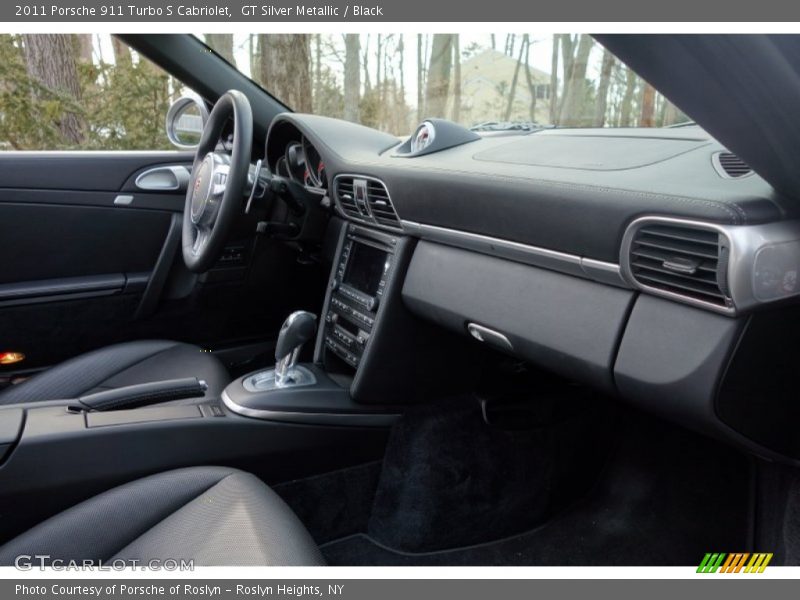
x=315, y=166
x=301, y=163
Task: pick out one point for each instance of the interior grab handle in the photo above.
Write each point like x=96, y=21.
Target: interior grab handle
x=172, y=178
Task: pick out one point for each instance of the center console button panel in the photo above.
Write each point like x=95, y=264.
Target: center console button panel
x=362, y=269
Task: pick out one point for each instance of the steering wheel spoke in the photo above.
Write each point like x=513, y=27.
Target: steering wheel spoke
x=222, y=170
x=200, y=240
x=218, y=183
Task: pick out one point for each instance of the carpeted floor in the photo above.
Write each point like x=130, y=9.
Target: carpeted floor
x=335, y=504
x=665, y=498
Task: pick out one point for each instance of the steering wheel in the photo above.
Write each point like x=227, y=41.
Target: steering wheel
x=218, y=181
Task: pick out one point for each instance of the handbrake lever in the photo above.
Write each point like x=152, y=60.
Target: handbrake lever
x=144, y=394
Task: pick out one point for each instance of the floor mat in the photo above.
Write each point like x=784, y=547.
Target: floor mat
x=334, y=504
x=666, y=498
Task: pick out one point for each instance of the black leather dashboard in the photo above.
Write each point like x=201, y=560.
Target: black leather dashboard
x=566, y=203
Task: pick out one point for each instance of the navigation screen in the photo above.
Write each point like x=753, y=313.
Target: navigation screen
x=365, y=267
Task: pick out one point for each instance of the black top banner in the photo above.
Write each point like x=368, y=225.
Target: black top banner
x=244, y=11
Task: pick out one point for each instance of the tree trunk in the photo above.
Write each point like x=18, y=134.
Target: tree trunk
x=122, y=54
x=352, y=77
x=567, y=45
x=615, y=95
x=317, y=72
x=439, y=71
x=378, y=62
x=510, y=43
x=512, y=92
x=456, y=78
x=526, y=41
x=401, y=52
x=567, y=55
x=50, y=61
x=222, y=44
x=554, y=81
x=601, y=101
x=367, y=83
x=647, y=118
x=670, y=113
x=627, y=99
x=381, y=77
x=575, y=93
x=420, y=80
x=286, y=68
x=252, y=48
x=85, y=47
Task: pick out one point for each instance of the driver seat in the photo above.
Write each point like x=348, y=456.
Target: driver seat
x=120, y=365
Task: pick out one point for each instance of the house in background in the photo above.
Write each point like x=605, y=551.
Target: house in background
x=486, y=82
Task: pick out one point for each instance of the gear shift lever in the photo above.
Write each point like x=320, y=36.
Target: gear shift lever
x=297, y=329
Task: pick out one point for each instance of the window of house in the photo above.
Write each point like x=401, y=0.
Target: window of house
x=543, y=91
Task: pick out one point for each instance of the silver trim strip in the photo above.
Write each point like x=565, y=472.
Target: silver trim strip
x=265, y=381
x=571, y=264
x=309, y=418
x=123, y=200
x=603, y=272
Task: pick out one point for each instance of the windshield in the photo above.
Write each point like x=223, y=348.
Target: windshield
x=490, y=82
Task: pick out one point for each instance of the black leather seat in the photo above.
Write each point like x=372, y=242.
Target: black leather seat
x=214, y=516
x=120, y=365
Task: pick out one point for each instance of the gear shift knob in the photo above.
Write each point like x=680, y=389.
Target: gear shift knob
x=297, y=329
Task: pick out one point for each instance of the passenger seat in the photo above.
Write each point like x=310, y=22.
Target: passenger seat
x=209, y=515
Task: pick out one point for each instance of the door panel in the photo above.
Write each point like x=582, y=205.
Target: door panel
x=46, y=241
x=82, y=269
x=76, y=264
x=79, y=170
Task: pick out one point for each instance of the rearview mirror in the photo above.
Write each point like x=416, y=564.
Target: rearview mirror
x=186, y=118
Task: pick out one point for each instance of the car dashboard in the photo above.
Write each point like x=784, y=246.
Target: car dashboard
x=651, y=264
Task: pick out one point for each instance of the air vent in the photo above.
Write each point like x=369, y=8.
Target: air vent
x=731, y=166
x=380, y=205
x=366, y=199
x=681, y=260
x=345, y=193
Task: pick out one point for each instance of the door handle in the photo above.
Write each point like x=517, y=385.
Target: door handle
x=171, y=178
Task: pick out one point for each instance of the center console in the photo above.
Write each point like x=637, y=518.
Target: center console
x=371, y=355
x=357, y=290
x=322, y=392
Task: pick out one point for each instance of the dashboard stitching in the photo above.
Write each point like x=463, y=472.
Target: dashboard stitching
x=733, y=210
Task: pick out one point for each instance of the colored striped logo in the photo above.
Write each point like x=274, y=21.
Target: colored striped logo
x=737, y=562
